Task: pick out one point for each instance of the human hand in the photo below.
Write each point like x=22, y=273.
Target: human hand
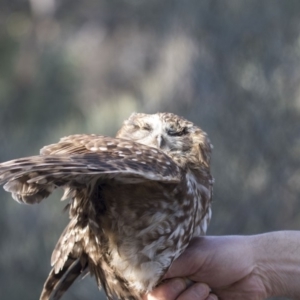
x=235, y=268
x=180, y=289
x=225, y=264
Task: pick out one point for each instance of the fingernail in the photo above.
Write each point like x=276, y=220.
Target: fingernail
x=178, y=285
x=212, y=297
x=202, y=290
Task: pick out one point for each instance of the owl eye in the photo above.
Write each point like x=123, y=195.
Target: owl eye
x=180, y=132
x=146, y=127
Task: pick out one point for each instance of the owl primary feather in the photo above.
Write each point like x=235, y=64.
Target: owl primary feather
x=135, y=201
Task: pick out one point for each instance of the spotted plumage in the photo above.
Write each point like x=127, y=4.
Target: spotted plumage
x=135, y=201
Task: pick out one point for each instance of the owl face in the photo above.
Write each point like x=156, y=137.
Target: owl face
x=164, y=131
x=172, y=134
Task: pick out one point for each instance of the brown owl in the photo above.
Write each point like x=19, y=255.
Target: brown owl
x=135, y=201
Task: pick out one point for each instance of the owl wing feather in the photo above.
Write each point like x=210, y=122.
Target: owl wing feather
x=80, y=158
x=123, y=234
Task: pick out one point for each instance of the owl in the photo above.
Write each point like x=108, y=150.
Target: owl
x=135, y=201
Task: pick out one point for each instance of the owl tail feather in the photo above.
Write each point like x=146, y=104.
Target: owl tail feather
x=58, y=283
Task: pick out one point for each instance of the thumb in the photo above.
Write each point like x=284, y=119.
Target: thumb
x=188, y=263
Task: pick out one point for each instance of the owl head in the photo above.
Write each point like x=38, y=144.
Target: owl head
x=180, y=139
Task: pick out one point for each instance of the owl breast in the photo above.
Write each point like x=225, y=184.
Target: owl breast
x=147, y=226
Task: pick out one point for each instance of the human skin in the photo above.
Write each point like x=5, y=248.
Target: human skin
x=234, y=268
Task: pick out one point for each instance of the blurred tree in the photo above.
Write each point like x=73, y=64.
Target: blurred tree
x=232, y=67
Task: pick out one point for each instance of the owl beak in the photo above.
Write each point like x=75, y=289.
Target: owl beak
x=160, y=141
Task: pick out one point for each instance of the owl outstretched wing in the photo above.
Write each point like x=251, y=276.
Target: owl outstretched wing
x=78, y=159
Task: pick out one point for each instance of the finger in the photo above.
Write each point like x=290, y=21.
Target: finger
x=168, y=290
x=199, y=291
x=212, y=297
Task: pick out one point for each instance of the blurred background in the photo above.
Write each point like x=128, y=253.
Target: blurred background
x=232, y=67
